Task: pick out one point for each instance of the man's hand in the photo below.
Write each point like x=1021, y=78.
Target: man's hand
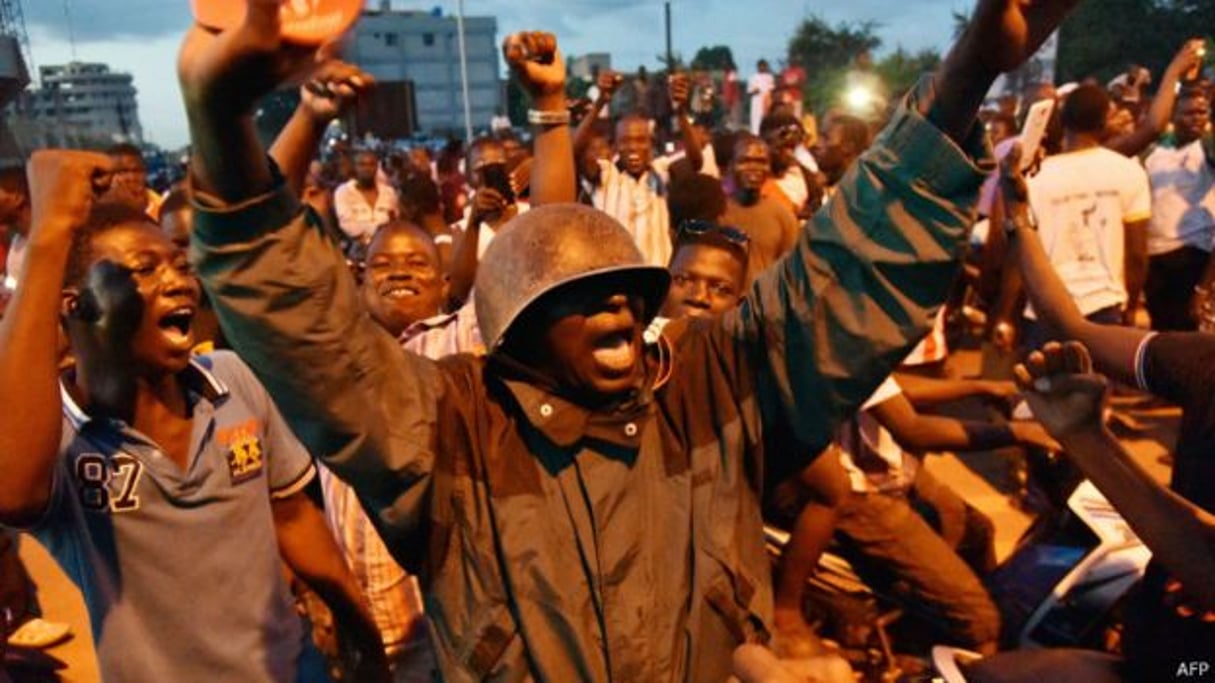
x=1064, y=393
x=1187, y=60
x=64, y=185
x=680, y=90
x=333, y=88
x=362, y=654
x=487, y=204
x=226, y=73
x=1003, y=34
x=608, y=82
x=537, y=63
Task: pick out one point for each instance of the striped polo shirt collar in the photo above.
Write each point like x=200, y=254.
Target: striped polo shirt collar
x=196, y=376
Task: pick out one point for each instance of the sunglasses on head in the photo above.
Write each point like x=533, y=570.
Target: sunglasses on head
x=699, y=228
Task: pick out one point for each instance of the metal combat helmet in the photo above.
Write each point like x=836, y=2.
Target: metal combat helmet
x=552, y=246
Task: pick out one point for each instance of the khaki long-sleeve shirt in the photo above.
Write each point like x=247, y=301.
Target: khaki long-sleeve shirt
x=558, y=543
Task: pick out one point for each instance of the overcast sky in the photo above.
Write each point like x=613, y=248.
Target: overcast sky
x=141, y=36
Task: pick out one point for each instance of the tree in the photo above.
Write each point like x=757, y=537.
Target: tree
x=826, y=52
x=900, y=70
x=715, y=58
x=1100, y=39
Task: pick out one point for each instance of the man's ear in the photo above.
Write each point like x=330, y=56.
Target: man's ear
x=81, y=305
x=69, y=300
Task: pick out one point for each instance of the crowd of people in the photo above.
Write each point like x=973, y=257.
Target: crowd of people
x=522, y=411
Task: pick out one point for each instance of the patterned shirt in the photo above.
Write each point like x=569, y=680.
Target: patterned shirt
x=394, y=595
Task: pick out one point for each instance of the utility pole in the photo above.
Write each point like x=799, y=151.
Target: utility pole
x=468, y=126
x=670, y=54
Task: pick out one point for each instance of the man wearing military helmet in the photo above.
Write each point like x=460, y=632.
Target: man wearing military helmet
x=578, y=505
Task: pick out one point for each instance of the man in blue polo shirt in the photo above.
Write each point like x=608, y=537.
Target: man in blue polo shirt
x=166, y=486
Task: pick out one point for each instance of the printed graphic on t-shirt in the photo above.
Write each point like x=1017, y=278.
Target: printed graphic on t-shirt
x=107, y=484
x=245, y=455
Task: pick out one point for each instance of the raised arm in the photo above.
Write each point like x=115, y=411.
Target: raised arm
x=281, y=287
x=1152, y=125
x=1069, y=399
x=680, y=90
x=834, y=317
x=63, y=187
x=537, y=63
x=330, y=91
x=1000, y=37
x=1113, y=347
x=608, y=82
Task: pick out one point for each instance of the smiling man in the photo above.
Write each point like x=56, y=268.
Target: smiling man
x=167, y=486
x=575, y=508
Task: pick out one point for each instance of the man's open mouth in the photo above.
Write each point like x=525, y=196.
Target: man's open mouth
x=615, y=353
x=176, y=326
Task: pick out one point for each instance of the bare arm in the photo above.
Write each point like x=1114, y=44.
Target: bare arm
x=1136, y=264
x=1001, y=35
x=923, y=391
x=333, y=87
x=1113, y=347
x=307, y=546
x=61, y=190
x=1157, y=119
x=464, y=259
x=680, y=89
x=919, y=433
x=1070, y=400
x=538, y=64
x=608, y=83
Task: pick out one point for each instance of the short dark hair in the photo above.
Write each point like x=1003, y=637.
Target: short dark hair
x=104, y=216
x=405, y=226
x=744, y=138
x=695, y=197
x=420, y=196
x=712, y=239
x=13, y=179
x=125, y=149
x=778, y=119
x=1085, y=110
x=856, y=131
x=1193, y=92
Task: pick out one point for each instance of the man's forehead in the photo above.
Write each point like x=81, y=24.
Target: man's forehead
x=133, y=237
x=634, y=127
x=488, y=153
x=402, y=240
x=706, y=259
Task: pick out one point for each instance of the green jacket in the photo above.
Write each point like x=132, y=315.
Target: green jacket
x=555, y=543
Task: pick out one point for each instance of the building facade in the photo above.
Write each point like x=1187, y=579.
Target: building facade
x=424, y=48
x=86, y=97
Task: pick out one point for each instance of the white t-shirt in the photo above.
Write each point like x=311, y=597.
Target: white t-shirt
x=761, y=85
x=1183, y=199
x=1082, y=200
x=873, y=459
x=356, y=217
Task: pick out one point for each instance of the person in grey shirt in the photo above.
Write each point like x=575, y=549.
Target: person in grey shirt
x=165, y=485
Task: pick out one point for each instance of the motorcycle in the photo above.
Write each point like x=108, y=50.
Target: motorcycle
x=1062, y=586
